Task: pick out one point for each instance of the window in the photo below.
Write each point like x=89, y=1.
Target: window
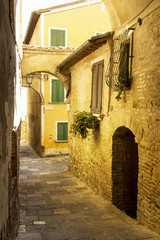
x=119, y=68
x=57, y=91
x=62, y=131
x=57, y=37
x=97, y=83
x=124, y=61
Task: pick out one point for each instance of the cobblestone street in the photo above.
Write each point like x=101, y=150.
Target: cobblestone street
x=55, y=205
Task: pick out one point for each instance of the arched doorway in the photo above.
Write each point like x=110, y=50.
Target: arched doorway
x=125, y=171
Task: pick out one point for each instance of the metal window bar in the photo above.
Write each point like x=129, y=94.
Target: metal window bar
x=112, y=72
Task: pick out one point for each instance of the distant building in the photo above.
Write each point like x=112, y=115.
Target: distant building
x=61, y=28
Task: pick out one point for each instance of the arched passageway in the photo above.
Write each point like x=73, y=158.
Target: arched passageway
x=125, y=171
x=34, y=119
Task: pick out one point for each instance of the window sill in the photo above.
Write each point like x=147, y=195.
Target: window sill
x=61, y=141
x=100, y=116
x=56, y=102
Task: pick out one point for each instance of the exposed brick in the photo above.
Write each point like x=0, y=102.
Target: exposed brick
x=97, y=160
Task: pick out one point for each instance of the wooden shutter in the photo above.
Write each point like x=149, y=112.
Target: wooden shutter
x=61, y=38
x=57, y=93
x=97, y=83
x=124, y=63
x=66, y=131
x=62, y=131
x=54, y=97
x=57, y=37
x=100, y=85
x=53, y=37
x=94, y=89
x=60, y=92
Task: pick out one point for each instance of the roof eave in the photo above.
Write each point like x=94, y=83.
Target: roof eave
x=84, y=50
x=31, y=26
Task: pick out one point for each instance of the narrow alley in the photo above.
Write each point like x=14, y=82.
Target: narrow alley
x=55, y=205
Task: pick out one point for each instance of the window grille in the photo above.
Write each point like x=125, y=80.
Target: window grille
x=118, y=66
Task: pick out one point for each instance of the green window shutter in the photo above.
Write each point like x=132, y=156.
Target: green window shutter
x=66, y=131
x=54, y=97
x=62, y=38
x=57, y=37
x=60, y=92
x=57, y=93
x=53, y=37
x=62, y=131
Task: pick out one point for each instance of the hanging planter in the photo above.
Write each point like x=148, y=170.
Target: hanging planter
x=82, y=121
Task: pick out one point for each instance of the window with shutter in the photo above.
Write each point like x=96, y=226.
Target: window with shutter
x=124, y=62
x=62, y=131
x=119, y=70
x=97, y=83
x=58, y=37
x=57, y=91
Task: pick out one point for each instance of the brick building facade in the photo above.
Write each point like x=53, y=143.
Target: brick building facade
x=10, y=59
x=121, y=161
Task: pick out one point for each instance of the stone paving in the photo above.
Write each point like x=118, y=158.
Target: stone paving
x=55, y=205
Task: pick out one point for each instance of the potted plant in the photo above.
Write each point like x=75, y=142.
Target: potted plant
x=82, y=121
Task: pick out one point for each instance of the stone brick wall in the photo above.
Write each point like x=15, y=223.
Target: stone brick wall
x=8, y=183
x=12, y=223
x=147, y=111
x=93, y=159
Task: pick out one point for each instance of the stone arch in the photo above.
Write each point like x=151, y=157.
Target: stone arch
x=124, y=170
x=44, y=59
x=128, y=121
x=64, y=79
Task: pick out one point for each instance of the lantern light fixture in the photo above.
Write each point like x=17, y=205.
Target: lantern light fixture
x=29, y=79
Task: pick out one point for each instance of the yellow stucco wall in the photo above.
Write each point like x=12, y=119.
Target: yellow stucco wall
x=79, y=22
x=80, y=25
x=53, y=113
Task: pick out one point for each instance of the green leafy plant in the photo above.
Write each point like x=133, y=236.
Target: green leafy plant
x=82, y=121
x=123, y=83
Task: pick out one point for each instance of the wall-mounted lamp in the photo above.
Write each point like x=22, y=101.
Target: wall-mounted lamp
x=29, y=79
